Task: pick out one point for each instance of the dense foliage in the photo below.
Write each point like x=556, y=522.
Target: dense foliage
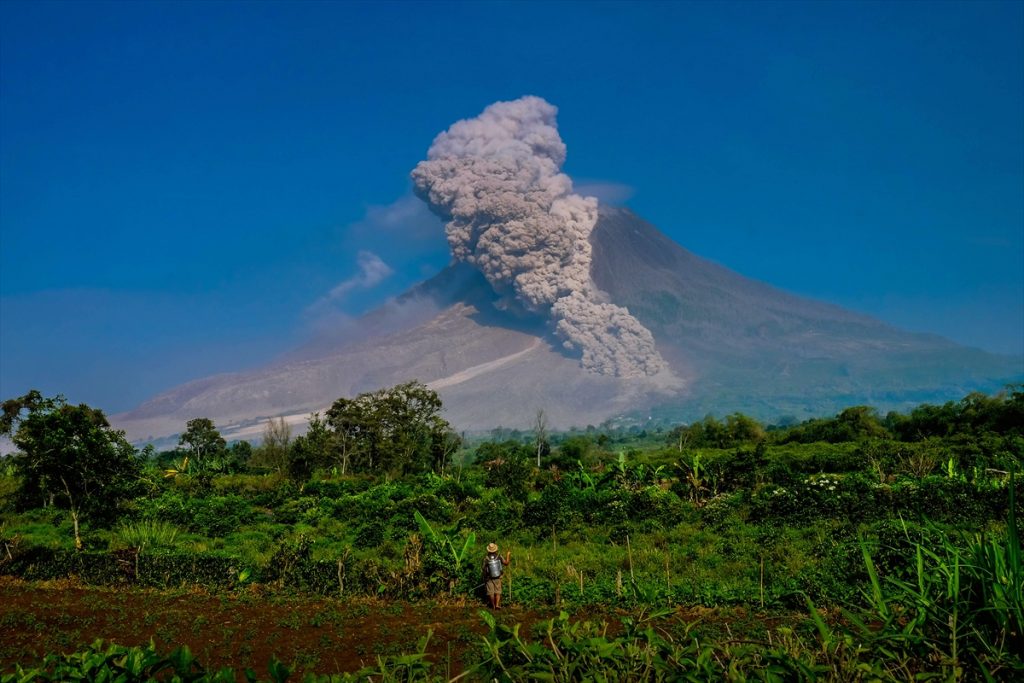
x=380, y=498
x=70, y=457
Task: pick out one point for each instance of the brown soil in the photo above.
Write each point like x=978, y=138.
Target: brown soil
x=244, y=629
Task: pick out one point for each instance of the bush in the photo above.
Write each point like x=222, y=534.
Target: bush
x=555, y=507
x=145, y=533
x=508, y=467
x=498, y=512
x=337, y=488
x=211, y=516
x=305, y=509
x=457, y=492
x=159, y=569
x=427, y=504
x=852, y=497
x=944, y=499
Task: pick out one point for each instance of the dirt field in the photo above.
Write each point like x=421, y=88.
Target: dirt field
x=244, y=629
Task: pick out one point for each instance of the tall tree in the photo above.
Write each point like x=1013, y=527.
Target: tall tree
x=397, y=429
x=273, y=452
x=310, y=451
x=540, y=433
x=70, y=456
x=202, y=441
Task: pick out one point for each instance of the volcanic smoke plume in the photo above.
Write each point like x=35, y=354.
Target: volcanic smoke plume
x=510, y=211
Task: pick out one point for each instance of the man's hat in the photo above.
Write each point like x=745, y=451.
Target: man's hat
x=492, y=547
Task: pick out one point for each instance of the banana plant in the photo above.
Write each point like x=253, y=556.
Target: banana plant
x=583, y=478
x=445, y=542
x=696, y=477
x=177, y=469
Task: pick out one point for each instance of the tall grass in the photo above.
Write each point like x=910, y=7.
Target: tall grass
x=145, y=534
x=960, y=612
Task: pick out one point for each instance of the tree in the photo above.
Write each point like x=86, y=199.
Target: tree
x=540, y=433
x=273, y=453
x=742, y=429
x=70, y=456
x=202, y=440
x=395, y=429
x=311, y=450
x=348, y=422
x=444, y=445
x=508, y=467
x=237, y=456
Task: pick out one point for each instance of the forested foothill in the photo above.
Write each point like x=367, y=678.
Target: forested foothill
x=895, y=537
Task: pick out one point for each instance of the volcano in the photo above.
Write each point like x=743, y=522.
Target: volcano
x=730, y=344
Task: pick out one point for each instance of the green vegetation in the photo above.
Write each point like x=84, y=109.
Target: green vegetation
x=902, y=529
x=69, y=456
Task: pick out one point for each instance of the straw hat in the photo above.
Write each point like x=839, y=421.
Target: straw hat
x=492, y=547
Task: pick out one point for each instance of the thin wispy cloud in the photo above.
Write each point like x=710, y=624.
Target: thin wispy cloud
x=372, y=271
x=405, y=234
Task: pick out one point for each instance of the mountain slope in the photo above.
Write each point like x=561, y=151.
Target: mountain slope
x=761, y=349
x=732, y=344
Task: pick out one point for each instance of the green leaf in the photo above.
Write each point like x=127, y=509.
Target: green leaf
x=279, y=673
x=427, y=530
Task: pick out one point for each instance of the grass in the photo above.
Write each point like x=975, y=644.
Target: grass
x=145, y=534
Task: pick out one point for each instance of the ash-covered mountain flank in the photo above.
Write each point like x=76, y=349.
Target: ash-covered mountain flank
x=587, y=312
x=732, y=344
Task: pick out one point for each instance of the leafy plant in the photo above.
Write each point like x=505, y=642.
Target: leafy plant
x=146, y=533
x=450, y=556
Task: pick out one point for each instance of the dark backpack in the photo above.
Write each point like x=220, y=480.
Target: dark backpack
x=493, y=567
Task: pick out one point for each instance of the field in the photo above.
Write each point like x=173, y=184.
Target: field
x=307, y=634
x=856, y=547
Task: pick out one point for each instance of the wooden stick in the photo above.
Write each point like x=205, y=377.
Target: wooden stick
x=629, y=550
x=762, y=581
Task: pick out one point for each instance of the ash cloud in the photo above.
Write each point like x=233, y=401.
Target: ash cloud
x=496, y=179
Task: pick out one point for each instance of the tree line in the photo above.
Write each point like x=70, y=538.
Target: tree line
x=69, y=456
x=973, y=416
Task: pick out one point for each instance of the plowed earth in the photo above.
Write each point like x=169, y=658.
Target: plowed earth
x=245, y=628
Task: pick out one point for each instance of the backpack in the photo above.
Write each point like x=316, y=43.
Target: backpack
x=493, y=567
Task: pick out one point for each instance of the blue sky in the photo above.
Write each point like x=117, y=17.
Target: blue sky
x=184, y=185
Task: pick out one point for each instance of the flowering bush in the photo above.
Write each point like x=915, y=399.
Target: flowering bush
x=851, y=497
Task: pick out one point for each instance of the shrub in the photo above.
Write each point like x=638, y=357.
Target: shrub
x=555, y=507
x=210, y=516
x=508, y=467
x=942, y=499
x=306, y=509
x=456, y=491
x=427, y=504
x=370, y=533
x=261, y=490
x=145, y=533
x=337, y=488
x=498, y=512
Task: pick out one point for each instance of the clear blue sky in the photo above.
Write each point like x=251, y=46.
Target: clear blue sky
x=182, y=184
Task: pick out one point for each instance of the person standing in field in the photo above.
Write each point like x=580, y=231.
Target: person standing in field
x=494, y=567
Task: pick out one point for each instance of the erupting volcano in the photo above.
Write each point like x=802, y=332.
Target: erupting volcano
x=554, y=302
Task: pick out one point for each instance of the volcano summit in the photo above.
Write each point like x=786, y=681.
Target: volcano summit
x=553, y=302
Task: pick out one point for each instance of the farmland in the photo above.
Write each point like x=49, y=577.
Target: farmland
x=858, y=546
